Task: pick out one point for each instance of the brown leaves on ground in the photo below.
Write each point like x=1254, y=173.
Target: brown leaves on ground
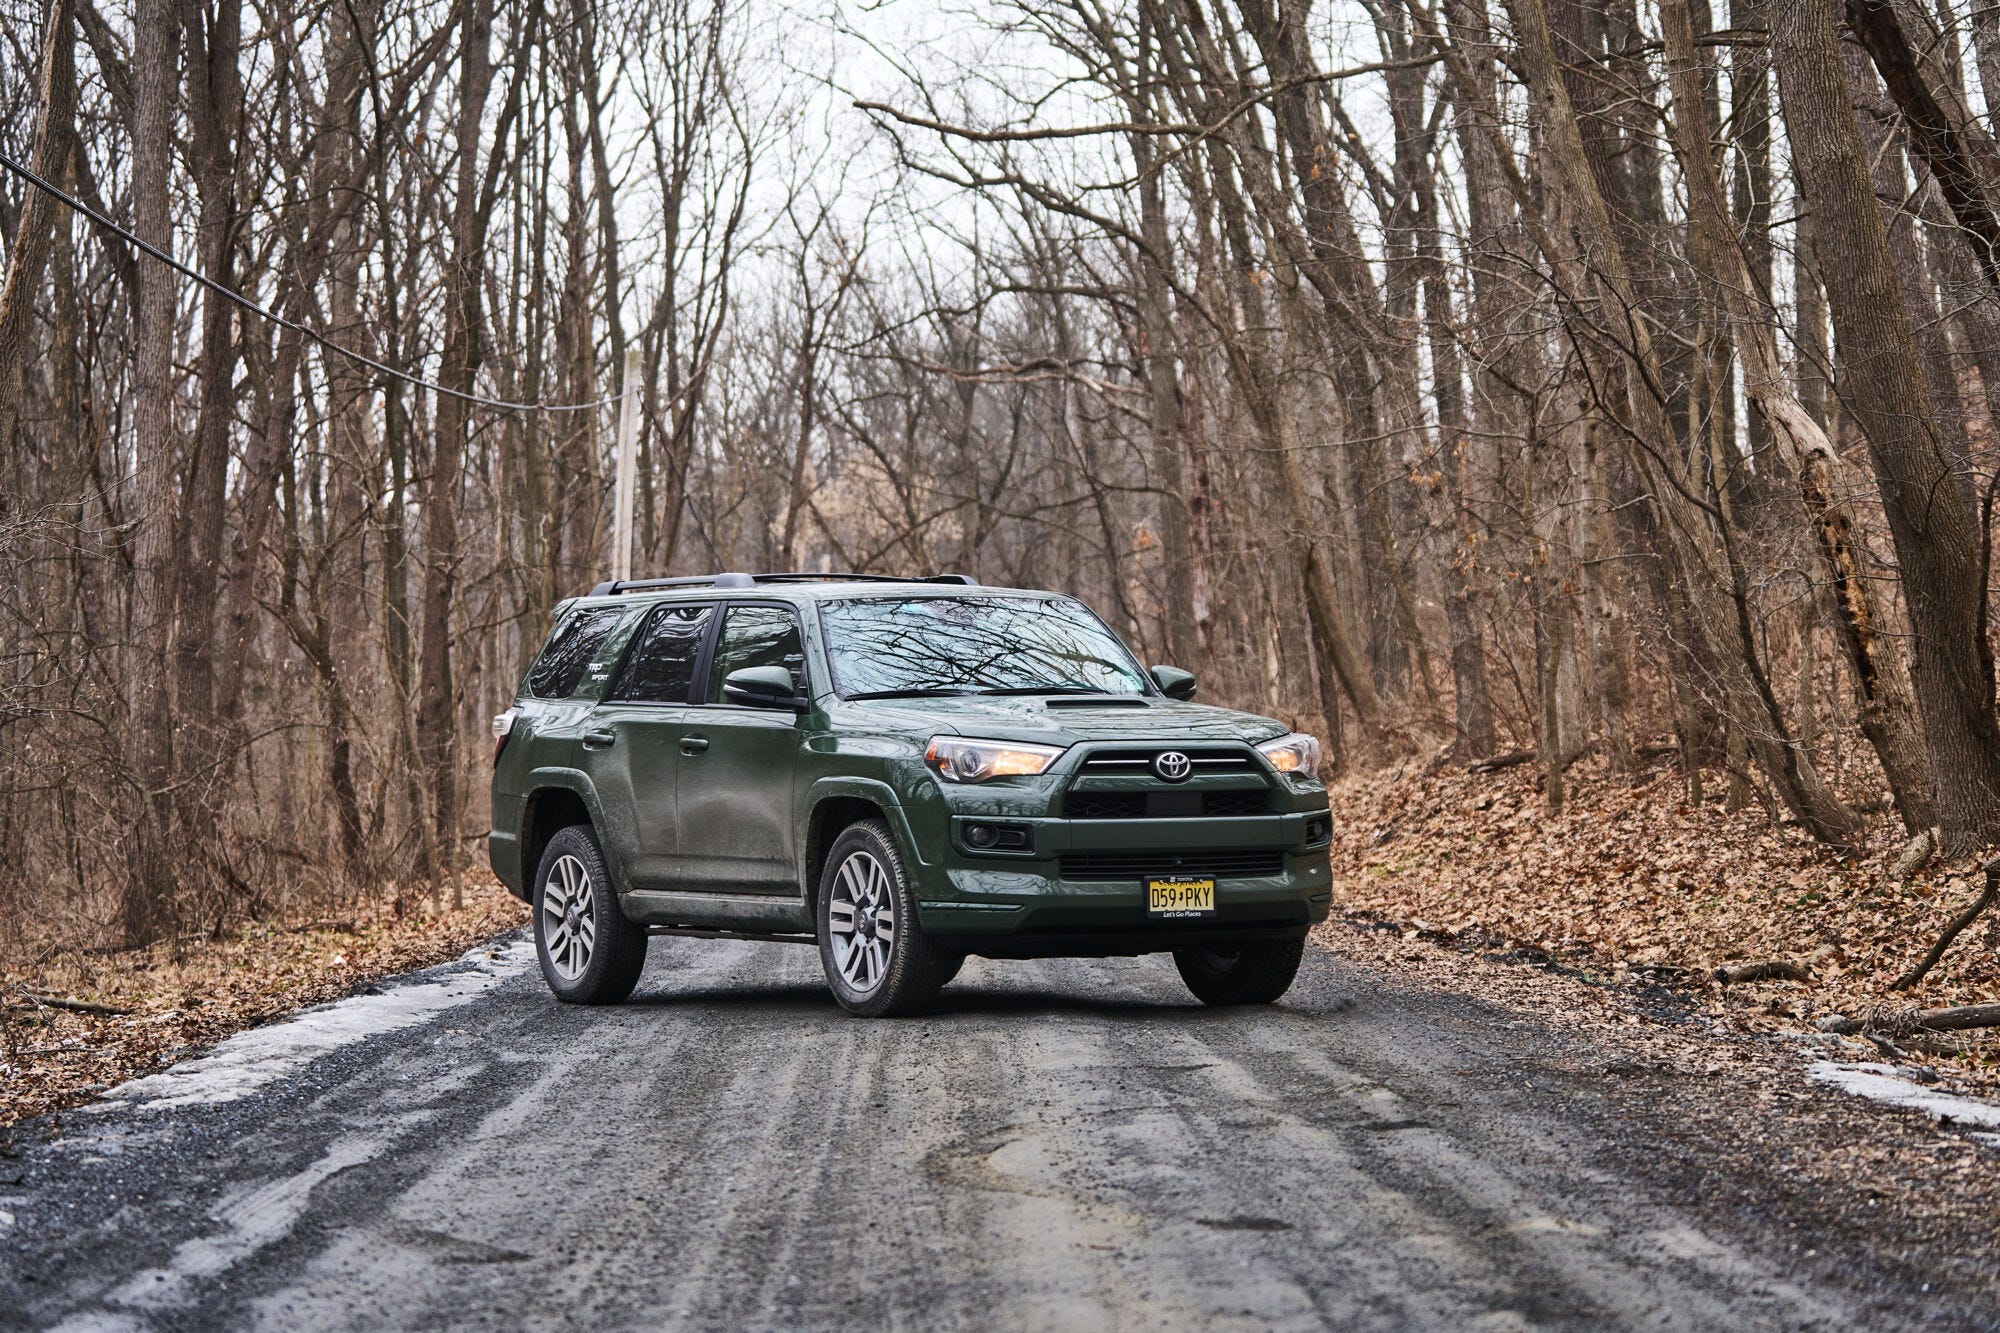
x=1633, y=883
x=173, y=1006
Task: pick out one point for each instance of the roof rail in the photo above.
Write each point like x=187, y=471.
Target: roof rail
x=615, y=586
x=734, y=580
x=836, y=577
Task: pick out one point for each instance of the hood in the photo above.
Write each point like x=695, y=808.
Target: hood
x=1070, y=719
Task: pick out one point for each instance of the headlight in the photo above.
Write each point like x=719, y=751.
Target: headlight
x=1296, y=753
x=956, y=759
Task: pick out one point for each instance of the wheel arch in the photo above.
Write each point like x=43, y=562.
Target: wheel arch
x=835, y=806
x=555, y=801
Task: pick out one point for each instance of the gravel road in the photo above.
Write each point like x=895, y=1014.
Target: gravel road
x=1063, y=1145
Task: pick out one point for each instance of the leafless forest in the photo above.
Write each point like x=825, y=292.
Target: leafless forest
x=1456, y=380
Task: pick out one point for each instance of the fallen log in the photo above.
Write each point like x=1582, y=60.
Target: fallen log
x=74, y=1006
x=1959, y=1018
x=1494, y=763
x=1761, y=969
x=1915, y=853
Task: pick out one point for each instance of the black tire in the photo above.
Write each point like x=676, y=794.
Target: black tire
x=904, y=975
x=613, y=953
x=1248, y=974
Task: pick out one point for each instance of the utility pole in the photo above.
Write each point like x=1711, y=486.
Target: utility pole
x=628, y=435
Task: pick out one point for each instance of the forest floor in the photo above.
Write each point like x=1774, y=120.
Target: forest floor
x=1632, y=887
x=144, y=1009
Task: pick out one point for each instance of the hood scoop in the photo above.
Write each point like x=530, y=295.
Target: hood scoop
x=1100, y=701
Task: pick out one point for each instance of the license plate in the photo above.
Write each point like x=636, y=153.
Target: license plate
x=1180, y=897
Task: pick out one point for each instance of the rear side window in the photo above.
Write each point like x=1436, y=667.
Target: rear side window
x=660, y=669
x=755, y=636
x=556, y=672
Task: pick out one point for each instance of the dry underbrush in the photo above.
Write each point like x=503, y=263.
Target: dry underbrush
x=1631, y=881
x=172, y=1001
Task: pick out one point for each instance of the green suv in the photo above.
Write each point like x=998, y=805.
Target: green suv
x=902, y=772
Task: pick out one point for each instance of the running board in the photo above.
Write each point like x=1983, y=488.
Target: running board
x=756, y=914
x=697, y=933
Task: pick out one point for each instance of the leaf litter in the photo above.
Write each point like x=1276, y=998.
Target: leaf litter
x=126, y=1014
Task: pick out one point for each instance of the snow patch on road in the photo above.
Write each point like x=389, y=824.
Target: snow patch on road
x=1882, y=1084
x=252, y=1060
x=250, y=1222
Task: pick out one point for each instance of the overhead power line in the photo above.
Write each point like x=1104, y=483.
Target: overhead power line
x=154, y=252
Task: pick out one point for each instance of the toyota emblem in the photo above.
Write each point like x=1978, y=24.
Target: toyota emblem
x=1173, y=766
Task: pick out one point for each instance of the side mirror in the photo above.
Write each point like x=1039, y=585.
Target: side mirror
x=764, y=687
x=1174, y=682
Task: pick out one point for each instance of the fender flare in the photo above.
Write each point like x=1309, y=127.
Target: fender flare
x=876, y=793
x=578, y=783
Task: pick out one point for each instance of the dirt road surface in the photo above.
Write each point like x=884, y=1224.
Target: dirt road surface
x=1063, y=1145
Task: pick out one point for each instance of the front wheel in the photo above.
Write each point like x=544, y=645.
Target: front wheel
x=877, y=960
x=590, y=953
x=1248, y=974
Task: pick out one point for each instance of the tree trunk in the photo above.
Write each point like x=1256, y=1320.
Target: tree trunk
x=1163, y=412
x=1922, y=495
x=34, y=231
x=213, y=91
x=459, y=369
x=1750, y=182
x=1874, y=116
x=147, y=903
x=1886, y=706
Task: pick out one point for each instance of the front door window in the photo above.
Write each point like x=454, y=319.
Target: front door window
x=757, y=636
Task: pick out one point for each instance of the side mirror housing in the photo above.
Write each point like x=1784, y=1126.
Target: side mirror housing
x=764, y=687
x=1174, y=682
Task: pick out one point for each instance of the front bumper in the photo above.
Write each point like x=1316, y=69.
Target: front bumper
x=1023, y=905
x=1075, y=883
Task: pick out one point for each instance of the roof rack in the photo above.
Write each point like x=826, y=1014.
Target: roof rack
x=734, y=580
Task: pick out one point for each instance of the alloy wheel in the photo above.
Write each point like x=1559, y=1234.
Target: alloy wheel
x=861, y=918
x=569, y=917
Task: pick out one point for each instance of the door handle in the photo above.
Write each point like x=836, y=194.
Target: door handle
x=599, y=740
x=693, y=745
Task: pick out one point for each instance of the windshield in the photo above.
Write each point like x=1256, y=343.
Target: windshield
x=886, y=646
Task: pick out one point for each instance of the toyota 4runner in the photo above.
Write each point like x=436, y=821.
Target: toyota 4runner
x=902, y=772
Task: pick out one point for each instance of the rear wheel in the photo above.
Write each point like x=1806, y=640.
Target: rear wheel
x=590, y=954
x=1255, y=973
x=877, y=960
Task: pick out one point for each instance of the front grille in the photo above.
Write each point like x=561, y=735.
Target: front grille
x=1208, y=761
x=1166, y=805
x=1235, y=804
x=1225, y=863
x=1105, y=805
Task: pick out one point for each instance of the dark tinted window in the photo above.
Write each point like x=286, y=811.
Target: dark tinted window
x=561, y=665
x=661, y=667
x=755, y=636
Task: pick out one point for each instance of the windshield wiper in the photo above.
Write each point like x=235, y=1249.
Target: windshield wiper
x=1053, y=689
x=928, y=692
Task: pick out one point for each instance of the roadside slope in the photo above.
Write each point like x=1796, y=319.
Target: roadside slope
x=74, y=1023
x=1633, y=884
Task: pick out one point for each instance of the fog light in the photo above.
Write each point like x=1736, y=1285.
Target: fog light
x=997, y=838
